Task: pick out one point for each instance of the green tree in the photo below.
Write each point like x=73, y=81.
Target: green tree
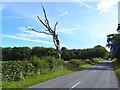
x=65, y=54
x=20, y=53
x=6, y=54
x=100, y=51
x=113, y=42
x=42, y=51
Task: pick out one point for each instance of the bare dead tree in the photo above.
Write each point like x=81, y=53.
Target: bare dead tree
x=49, y=31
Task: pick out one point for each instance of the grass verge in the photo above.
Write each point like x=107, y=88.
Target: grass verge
x=116, y=68
x=40, y=78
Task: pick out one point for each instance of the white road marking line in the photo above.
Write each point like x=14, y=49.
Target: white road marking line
x=94, y=71
x=75, y=85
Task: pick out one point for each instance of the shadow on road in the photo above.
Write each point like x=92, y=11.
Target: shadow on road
x=101, y=66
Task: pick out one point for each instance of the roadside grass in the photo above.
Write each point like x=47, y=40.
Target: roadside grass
x=34, y=80
x=116, y=68
x=40, y=78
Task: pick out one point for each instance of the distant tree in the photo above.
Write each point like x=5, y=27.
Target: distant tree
x=38, y=51
x=20, y=53
x=76, y=53
x=51, y=52
x=50, y=31
x=65, y=53
x=100, y=51
x=6, y=54
x=41, y=51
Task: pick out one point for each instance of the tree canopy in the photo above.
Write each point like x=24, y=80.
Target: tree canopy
x=25, y=53
x=113, y=42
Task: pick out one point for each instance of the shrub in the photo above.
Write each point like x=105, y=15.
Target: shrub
x=118, y=73
x=19, y=70
x=96, y=60
x=76, y=62
x=40, y=65
x=14, y=70
x=54, y=64
x=87, y=61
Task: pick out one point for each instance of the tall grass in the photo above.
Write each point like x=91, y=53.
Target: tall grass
x=116, y=67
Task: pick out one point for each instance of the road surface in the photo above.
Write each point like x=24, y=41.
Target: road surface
x=97, y=76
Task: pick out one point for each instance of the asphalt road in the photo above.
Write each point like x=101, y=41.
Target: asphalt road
x=97, y=76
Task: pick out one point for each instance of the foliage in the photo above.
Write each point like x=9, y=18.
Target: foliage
x=22, y=53
x=113, y=42
x=41, y=51
x=77, y=62
x=15, y=53
x=96, y=52
x=118, y=73
x=16, y=70
x=116, y=67
x=34, y=79
x=21, y=74
x=87, y=61
x=96, y=60
x=25, y=53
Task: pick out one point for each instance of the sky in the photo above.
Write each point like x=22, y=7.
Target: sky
x=80, y=24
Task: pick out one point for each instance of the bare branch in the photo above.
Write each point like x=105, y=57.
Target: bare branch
x=42, y=22
x=37, y=31
x=47, y=26
x=44, y=12
x=46, y=20
x=55, y=26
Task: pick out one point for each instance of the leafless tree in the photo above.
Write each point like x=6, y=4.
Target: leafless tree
x=49, y=31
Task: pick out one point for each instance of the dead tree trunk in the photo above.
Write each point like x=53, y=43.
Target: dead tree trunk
x=57, y=44
x=50, y=31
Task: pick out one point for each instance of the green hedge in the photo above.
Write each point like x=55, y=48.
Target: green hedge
x=17, y=70
x=20, y=70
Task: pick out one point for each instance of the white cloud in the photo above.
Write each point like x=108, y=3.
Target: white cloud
x=31, y=40
x=106, y=5
x=29, y=33
x=15, y=17
x=63, y=14
x=27, y=39
x=68, y=29
x=86, y=5
x=30, y=36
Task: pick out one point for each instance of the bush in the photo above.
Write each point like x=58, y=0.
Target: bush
x=54, y=64
x=118, y=73
x=87, y=61
x=96, y=60
x=15, y=70
x=40, y=65
x=76, y=62
x=19, y=70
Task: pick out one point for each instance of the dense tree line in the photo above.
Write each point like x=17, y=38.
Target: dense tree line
x=25, y=53
x=96, y=52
